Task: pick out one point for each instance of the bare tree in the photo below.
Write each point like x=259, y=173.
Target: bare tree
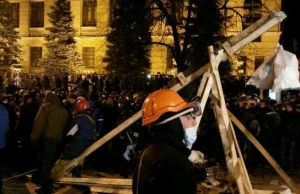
x=196, y=24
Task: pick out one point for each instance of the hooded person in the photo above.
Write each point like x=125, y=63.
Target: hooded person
x=165, y=165
x=46, y=134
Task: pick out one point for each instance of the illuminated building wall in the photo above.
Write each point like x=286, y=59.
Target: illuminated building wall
x=91, y=21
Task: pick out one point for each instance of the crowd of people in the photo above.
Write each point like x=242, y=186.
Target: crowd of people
x=99, y=103
x=39, y=129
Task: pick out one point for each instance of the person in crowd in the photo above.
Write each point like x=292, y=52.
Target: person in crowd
x=81, y=134
x=11, y=88
x=164, y=166
x=69, y=104
x=290, y=137
x=18, y=81
x=47, y=133
x=4, y=120
x=85, y=84
x=248, y=119
x=269, y=122
x=27, y=114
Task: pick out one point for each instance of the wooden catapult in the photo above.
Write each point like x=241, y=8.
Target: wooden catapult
x=210, y=86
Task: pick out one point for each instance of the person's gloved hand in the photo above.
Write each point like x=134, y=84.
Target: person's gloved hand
x=127, y=153
x=196, y=157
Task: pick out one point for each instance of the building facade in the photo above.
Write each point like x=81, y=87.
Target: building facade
x=91, y=21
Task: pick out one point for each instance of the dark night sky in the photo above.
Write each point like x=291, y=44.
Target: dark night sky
x=291, y=25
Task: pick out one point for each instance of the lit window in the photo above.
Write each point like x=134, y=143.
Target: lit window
x=89, y=13
x=252, y=12
x=89, y=56
x=242, y=64
x=36, y=55
x=258, y=61
x=37, y=14
x=15, y=9
x=169, y=59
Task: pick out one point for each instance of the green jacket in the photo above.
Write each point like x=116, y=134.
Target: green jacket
x=50, y=120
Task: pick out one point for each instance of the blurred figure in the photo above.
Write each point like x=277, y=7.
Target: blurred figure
x=290, y=137
x=27, y=114
x=3, y=130
x=81, y=133
x=47, y=133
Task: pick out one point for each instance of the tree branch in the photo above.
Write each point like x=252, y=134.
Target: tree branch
x=187, y=30
x=172, y=23
x=166, y=45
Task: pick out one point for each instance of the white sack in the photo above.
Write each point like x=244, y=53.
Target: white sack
x=264, y=76
x=286, y=71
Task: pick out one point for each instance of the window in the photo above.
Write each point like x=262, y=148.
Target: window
x=242, y=64
x=36, y=55
x=89, y=56
x=37, y=14
x=258, y=61
x=252, y=12
x=169, y=59
x=15, y=9
x=89, y=13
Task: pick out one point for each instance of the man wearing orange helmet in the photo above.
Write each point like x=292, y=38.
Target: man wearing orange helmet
x=165, y=166
x=81, y=133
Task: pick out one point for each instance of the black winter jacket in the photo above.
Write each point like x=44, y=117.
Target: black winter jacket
x=164, y=166
x=84, y=136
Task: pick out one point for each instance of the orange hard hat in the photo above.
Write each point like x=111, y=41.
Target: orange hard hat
x=160, y=102
x=82, y=105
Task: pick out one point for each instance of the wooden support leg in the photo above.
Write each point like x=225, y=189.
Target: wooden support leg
x=203, y=92
x=234, y=163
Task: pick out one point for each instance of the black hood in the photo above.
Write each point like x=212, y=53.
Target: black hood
x=170, y=133
x=51, y=99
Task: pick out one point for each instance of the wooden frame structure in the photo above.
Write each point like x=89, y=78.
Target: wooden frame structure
x=211, y=87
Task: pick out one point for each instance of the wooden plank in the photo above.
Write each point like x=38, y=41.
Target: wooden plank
x=228, y=150
x=257, y=191
x=71, y=190
x=182, y=79
x=204, y=96
x=253, y=31
x=246, y=179
x=100, y=189
x=104, y=181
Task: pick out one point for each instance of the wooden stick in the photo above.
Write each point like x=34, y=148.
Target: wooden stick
x=99, y=189
x=250, y=190
x=103, y=181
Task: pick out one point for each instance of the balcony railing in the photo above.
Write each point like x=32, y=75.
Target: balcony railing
x=90, y=31
x=36, y=32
